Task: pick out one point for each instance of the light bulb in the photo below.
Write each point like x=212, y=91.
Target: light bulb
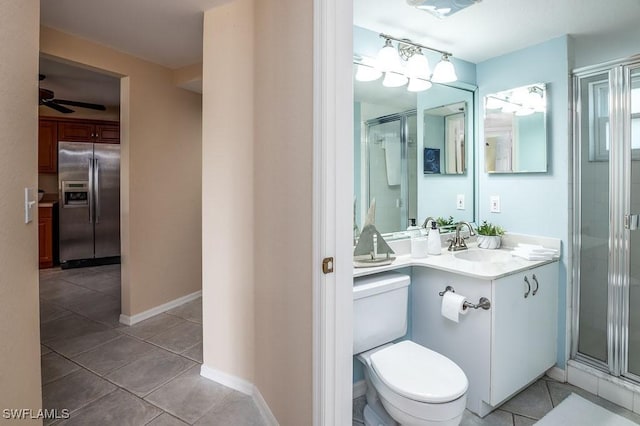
x=394, y=79
x=388, y=57
x=367, y=73
x=444, y=71
x=418, y=66
x=418, y=85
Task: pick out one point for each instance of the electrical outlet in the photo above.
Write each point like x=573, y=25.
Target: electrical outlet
x=460, y=202
x=494, y=204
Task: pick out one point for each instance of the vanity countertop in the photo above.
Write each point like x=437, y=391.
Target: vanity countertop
x=448, y=262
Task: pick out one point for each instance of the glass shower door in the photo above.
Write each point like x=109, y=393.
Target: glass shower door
x=593, y=270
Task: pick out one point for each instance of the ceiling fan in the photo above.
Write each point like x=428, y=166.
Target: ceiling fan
x=46, y=98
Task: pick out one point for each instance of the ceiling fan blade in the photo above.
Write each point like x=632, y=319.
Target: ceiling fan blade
x=57, y=107
x=81, y=104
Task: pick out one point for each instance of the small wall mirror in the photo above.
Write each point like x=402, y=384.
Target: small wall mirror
x=445, y=135
x=515, y=132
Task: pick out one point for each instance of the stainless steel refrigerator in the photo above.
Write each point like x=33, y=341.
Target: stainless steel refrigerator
x=89, y=185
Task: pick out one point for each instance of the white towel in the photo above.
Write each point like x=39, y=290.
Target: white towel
x=393, y=159
x=534, y=252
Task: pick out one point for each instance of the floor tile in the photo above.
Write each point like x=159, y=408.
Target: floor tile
x=54, y=367
x=78, y=344
x=533, y=402
x=358, y=409
x=523, y=421
x=189, y=396
x=150, y=371
x=496, y=418
x=63, y=293
x=166, y=420
x=191, y=311
x=152, y=326
x=113, y=355
x=85, y=278
x=179, y=338
x=238, y=411
x=44, y=350
x=117, y=408
x=75, y=391
x=50, y=312
x=194, y=353
x=68, y=327
x=103, y=309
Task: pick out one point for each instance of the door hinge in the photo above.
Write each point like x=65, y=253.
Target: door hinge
x=327, y=265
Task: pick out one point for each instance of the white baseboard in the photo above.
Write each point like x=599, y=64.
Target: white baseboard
x=557, y=373
x=134, y=319
x=359, y=389
x=241, y=385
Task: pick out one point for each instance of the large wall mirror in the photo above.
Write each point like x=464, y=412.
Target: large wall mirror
x=515, y=132
x=394, y=130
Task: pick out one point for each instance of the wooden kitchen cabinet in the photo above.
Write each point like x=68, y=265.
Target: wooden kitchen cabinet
x=47, y=146
x=45, y=236
x=89, y=131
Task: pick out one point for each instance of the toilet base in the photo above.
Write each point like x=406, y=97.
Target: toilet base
x=371, y=418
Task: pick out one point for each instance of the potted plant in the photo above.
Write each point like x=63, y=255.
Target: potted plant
x=489, y=235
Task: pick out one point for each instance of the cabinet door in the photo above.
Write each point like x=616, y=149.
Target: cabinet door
x=70, y=131
x=524, y=329
x=45, y=237
x=107, y=133
x=47, y=146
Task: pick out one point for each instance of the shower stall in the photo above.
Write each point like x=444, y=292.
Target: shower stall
x=391, y=169
x=606, y=209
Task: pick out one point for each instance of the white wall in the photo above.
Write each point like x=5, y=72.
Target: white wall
x=19, y=325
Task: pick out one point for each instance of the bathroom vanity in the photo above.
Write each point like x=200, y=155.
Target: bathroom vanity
x=502, y=349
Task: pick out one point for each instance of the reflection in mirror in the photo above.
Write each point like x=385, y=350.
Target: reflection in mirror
x=515, y=131
x=444, y=139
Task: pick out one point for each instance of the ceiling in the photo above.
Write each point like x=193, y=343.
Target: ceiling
x=496, y=27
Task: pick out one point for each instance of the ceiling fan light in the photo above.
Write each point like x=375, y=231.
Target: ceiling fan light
x=444, y=72
x=388, y=57
x=418, y=66
x=418, y=85
x=394, y=79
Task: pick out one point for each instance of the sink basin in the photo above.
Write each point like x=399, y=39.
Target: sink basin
x=488, y=256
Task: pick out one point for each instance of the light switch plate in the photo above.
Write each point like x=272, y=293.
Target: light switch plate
x=460, y=202
x=29, y=203
x=494, y=204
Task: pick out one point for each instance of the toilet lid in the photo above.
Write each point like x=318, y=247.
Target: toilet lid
x=418, y=373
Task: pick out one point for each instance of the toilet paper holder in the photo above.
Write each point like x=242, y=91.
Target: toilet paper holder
x=483, y=303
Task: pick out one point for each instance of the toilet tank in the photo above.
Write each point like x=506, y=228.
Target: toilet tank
x=379, y=309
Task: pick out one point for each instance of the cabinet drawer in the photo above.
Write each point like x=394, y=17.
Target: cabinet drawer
x=75, y=132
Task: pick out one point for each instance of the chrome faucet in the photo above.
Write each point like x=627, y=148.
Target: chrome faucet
x=457, y=243
x=426, y=222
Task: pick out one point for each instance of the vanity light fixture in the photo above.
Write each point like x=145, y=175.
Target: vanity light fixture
x=366, y=69
x=441, y=8
x=444, y=72
x=521, y=101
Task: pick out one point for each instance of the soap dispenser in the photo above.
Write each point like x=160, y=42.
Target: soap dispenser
x=434, y=244
x=413, y=230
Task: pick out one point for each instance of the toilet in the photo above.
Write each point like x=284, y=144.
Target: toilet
x=407, y=384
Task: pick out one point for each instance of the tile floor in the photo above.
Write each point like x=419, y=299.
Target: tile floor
x=106, y=373
x=526, y=408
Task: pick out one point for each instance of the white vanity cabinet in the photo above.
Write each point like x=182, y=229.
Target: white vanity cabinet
x=523, y=329
x=501, y=350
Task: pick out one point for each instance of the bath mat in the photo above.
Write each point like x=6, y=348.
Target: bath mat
x=577, y=411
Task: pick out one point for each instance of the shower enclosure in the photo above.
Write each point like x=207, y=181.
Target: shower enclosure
x=391, y=170
x=606, y=270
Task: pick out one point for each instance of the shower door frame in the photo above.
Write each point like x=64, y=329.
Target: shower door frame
x=403, y=117
x=620, y=157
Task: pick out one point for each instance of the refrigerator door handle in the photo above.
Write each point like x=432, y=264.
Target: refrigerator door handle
x=97, y=189
x=90, y=194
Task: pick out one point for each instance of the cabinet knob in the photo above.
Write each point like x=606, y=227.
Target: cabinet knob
x=537, y=285
x=526, y=293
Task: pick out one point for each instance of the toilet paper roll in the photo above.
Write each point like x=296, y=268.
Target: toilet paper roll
x=453, y=306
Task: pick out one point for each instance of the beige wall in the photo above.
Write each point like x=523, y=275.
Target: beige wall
x=161, y=169
x=227, y=197
x=283, y=197
x=258, y=104
x=19, y=325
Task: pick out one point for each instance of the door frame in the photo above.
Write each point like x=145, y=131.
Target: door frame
x=332, y=200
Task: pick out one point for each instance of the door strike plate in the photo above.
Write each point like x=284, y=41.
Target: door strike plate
x=327, y=265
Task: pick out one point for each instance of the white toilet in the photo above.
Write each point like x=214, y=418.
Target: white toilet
x=416, y=386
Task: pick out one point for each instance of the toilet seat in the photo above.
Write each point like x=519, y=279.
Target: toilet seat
x=418, y=373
